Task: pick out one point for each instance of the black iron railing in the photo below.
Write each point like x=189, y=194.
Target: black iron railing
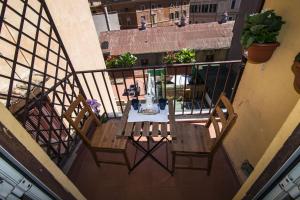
x=194, y=88
x=37, y=77
x=38, y=82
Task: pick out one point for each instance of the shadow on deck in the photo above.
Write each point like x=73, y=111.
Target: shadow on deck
x=150, y=181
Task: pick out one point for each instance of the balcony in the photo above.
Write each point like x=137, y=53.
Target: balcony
x=40, y=77
x=39, y=82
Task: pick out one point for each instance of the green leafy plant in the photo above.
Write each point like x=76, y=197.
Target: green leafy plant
x=186, y=56
x=111, y=62
x=183, y=56
x=261, y=28
x=124, y=60
x=297, y=58
x=169, y=58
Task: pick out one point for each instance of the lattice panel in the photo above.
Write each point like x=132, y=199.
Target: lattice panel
x=36, y=76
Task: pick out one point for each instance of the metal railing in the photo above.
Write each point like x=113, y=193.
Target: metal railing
x=37, y=78
x=38, y=81
x=194, y=88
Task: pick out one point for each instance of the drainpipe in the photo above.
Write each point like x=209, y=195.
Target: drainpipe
x=106, y=18
x=151, y=13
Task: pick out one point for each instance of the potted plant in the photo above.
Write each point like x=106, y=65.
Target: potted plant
x=296, y=70
x=126, y=60
x=181, y=57
x=259, y=36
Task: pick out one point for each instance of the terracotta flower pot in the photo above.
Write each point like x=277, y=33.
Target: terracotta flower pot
x=296, y=70
x=118, y=74
x=259, y=53
x=180, y=70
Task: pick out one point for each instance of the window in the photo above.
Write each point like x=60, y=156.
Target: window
x=126, y=9
x=159, y=6
x=232, y=4
x=128, y=20
x=205, y=8
x=154, y=18
x=184, y=13
x=192, y=8
x=171, y=16
x=104, y=45
x=153, y=6
x=142, y=7
x=144, y=61
x=209, y=58
x=184, y=3
x=212, y=8
x=176, y=14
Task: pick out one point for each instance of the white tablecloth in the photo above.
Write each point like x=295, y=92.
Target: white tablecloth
x=135, y=116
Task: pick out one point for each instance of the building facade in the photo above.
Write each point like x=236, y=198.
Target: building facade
x=153, y=13
x=203, y=11
x=211, y=41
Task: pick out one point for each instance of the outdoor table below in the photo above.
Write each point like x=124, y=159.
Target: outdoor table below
x=164, y=131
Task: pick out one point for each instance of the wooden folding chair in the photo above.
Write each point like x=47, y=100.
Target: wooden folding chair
x=195, y=140
x=97, y=136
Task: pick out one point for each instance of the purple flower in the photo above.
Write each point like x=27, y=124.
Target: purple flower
x=93, y=103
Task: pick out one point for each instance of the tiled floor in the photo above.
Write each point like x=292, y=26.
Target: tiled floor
x=150, y=181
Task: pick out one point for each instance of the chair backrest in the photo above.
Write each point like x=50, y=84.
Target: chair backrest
x=221, y=121
x=81, y=117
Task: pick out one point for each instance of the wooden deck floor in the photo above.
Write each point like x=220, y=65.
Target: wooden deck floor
x=150, y=181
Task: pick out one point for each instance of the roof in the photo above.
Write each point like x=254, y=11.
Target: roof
x=203, y=36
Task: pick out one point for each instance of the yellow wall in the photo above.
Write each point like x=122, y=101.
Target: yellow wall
x=284, y=132
x=75, y=25
x=30, y=144
x=266, y=95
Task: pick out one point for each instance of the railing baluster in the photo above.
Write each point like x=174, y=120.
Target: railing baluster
x=125, y=84
x=183, y=99
x=204, y=91
x=165, y=81
x=195, y=87
x=109, y=96
x=98, y=90
x=215, y=85
x=227, y=77
x=145, y=84
x=154, y=74
x=175, y=88
x=134, y=82
x=87, y=85
x=117, y=89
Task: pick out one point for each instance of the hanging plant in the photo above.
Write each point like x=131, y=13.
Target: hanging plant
x=259, y=36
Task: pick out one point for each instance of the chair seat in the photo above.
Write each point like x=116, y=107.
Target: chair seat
x=104, y=137
x=192, y=138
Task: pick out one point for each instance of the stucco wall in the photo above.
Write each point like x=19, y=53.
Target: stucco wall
x=265, y=96
x=75, y=25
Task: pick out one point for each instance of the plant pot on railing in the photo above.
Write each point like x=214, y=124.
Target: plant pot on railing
x=296, y=70
x=126, y=60
x=259, y=36
x=184, y=56
x=179, y=70
x=259, y=53
x=120, y=73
